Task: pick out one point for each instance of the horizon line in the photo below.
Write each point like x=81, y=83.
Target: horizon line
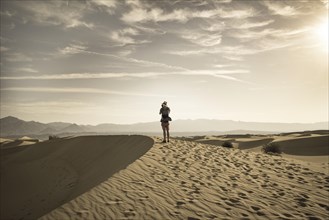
x=134, y=123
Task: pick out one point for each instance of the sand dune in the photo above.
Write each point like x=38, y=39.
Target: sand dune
x=190, y=180
x=45, y=175
x=306, y=146
x=248, y=143
x=300, y=144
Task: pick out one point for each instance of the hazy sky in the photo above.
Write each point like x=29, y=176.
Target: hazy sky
x=115, y=61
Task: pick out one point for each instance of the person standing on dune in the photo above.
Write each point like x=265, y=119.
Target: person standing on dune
x=164, y=112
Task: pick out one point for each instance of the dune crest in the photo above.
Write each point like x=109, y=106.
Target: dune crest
x=45, y=175
x=190, y=180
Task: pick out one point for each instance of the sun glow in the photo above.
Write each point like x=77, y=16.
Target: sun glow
x=321, y=32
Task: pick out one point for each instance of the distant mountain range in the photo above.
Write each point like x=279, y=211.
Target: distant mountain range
x=11, y=126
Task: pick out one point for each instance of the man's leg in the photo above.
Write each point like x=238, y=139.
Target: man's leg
x=167, y=133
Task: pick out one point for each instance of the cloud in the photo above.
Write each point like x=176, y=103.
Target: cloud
x=222, y=65
x=234, y=57
x=220, y=26
x=224, y=50
x=244, y=24
x=73, y=49
x=57, y=13
x=203, y=39
x=325, y=2
x=221, y=73
x=7, y=13
x=237, y=14
x=53, y=107
x=125, y=36
x=109, y=5
x=150, y=30
x=144, y=13
x=154, y=14
x=277, y=36
x=279, y=8
x=250, y=42
x=17, y=57
x=27, y=69
x=142, y=63
x=83, y=76
x=77, y=90
x=233, y=79
x=4, y=49
x=234, y=53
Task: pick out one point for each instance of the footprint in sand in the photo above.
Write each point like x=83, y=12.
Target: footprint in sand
x=255, y=208
x=192, y=218
x=301, y=200
x=235, y=177
x=254, y=176
x=290, y=176
x=180, y=203
x=129, y=213
x=326, y=207
x=234, y=200
x=242, y=195
x=281, y=194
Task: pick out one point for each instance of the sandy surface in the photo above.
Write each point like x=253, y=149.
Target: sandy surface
x=138, y=177
x=191, y=180
x=38, y=178
x=304, y=146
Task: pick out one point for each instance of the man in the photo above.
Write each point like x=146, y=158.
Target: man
x=164, y=111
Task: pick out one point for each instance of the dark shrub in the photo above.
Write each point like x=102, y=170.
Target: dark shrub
x=271, y=148
x=227, y=144
x=52, y=137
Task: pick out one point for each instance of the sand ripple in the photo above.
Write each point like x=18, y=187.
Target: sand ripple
x=190, y=180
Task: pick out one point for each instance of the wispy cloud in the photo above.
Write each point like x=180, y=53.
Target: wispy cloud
x=250, y=42
x=17, y=57
x=144, y=13
x=237, y=14
x=109, y=5
x=326, y=3
x=82, y=48
x=245, y=24
x=126, y=36
x=83, y=76
x=57, y=13
x=53, y=107
x=224, y=50
x=203, y=39
x=221, y=73
x=142, y=63
x=4, y=49
x=282, y=34
x=73, y=49
x=280, y=8
x=27, y=69
x=222, y=65
x=7, y=13
x=154, y=14
x=77, y=90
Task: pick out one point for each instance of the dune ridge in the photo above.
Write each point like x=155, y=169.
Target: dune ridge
x=190, y=180
x=38, y=178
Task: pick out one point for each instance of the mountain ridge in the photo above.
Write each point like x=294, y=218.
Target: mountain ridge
x=14, y=126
